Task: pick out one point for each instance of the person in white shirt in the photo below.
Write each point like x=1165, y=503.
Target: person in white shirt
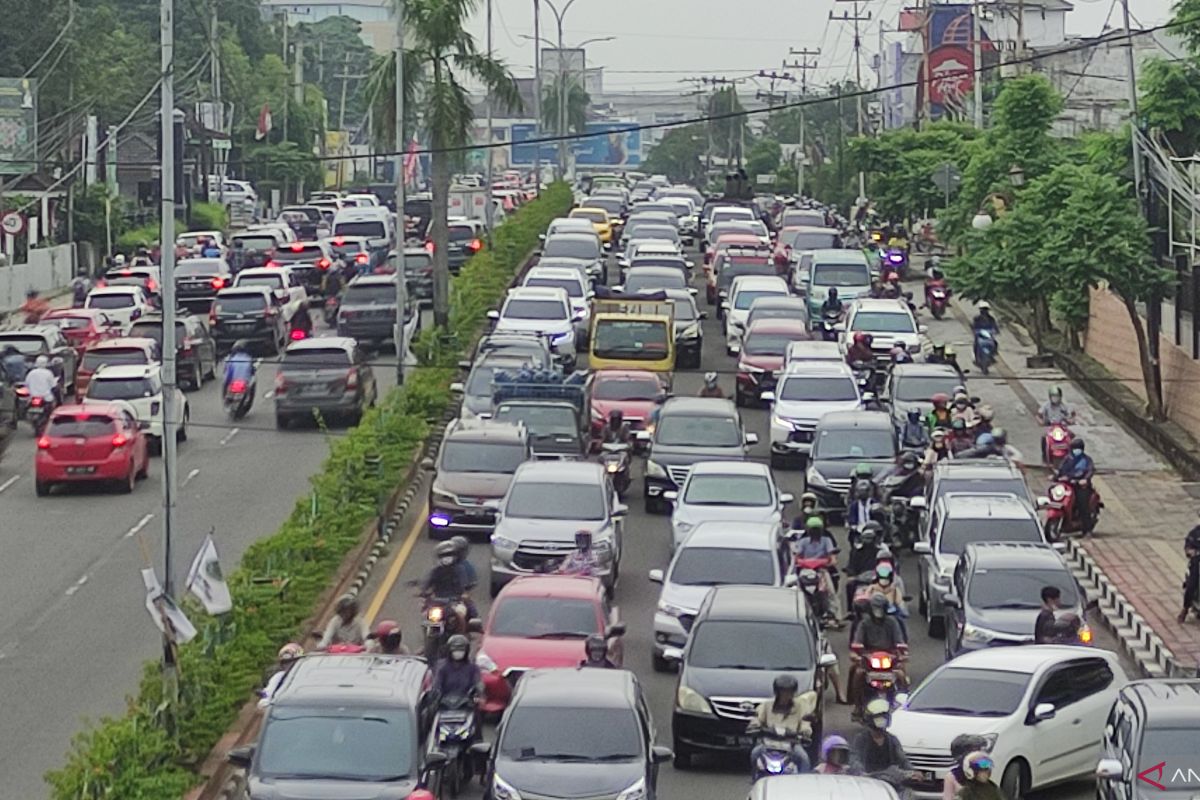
x=41, y=382
x=289, y=654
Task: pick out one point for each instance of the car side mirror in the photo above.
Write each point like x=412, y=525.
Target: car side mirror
x=660, y=754
x=702, y=315
x=435, y=761
x=615, y=630
x=692, y=290
x=767, y=397
x=751, y=438
x=657, y=576
x=143, y=425
x=672, y=654
x=481, y=749
x=670, y=495
x=493, y=315
x=950, y=600
x=620, y=510
x=734, y=349
x=620, y=287
x=901, y=698
x=840, y=327
x=917, y=502
x=1042, y=502
x=241, y=756
x=1043, y=712
x=725, y=306
x=827, y=661
x=922, y=329
x=1110, y=768
x=786, y=498
x=922, y=548
x=457, y=387
x=791, y=581
x=1059, y=546
x=642, y=436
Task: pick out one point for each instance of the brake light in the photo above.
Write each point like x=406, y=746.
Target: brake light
x=339, y=240
x=237, y=386
x=43, y=443
x=187, y=349
x=881, y=662
x=151, y=285
x=100, y=284
x=323, y=263
x=119, y=440
x=475, y=246
x=361, y=258
x=297, y=334
x=218, y=283
x=280, y=384
x=272, y=263
x=297, y=247
x=351, y=380
x=429, y=246
x=22, y=391
x=36, y=402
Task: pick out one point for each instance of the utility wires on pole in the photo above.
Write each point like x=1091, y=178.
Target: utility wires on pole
x=856, y=18
x=805, y=63
x=401, y=285
x=717, y=85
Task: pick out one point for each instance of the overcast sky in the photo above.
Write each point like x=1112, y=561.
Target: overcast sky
x=658, y=42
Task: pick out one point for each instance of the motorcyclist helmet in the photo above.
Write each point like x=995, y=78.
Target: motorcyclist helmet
x=909, y=460
x=616, y=418
x=959, y=425
x=878, y=712
x=41, y=362
x=388, y=634
x=809, y=579
x=583, y=539
x=949, y=352
x=240, y=346
x=835, y=750
x=914, y=415
x=347, y=607
x=809, y=499
x=977, y=766
x=883, y=555
x=938, y=436
x=833, y=293
x=863, y=471
x=814, y=525
x=870, y=533
x=986, y=413
x=879, y=605
x=31, y=294
x=289, y=653
x=884, y=573
x=961, y=400
x=985, y=440
x=595, y=648
x=940, y=400
x=457, y=646
x=461, y=546
x=984, y=306
x=785, y=683
x=1000, y=436
x=446, y=553
x=710, y=380
x=862, y=490
x=966, y=743
x=1077, y=445
x=860, y=338
x=119, y=260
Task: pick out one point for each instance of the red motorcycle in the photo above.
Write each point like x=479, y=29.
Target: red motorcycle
x=937, y=296
x=1061, y=514
x=1056, y=445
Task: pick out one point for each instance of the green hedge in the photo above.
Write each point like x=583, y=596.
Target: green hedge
x=135, y=757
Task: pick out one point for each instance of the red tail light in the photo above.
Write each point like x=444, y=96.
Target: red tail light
x=22, y=391
x=351, y=380
x=475, y=246
x=297, y=247
x=323, y=263
x=43, y=443
x=237, y=386
x=119, y=440
x=280, y=384
x=126, y=272
x=151, y=285
x=429, y=246
x=100, y=284
x=36, y=402
x=881, y=662
x=272, y=263
x=361, y=258
x=297, y=334
x=339, y=240
x=218, y=283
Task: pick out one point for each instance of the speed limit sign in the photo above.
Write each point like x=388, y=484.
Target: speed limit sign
x=12, y=223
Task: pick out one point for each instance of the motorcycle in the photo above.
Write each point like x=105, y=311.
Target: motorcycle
x=615, y=458
x=820, y=595
x=829, y=322
x=985, y=350
x=38, y=414
x=896, y=260
x=1061, y=516
x=497, y=691
x=1056, y=445
x=332, y=304
x=441, y=618
x=937, y=297
x=880, y=675
x=902, y=522
x=775, y=756
x=239, y=397
x=457, y=728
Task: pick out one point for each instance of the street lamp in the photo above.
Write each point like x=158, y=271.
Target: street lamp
x=999, y=200
x=1016, y=175
x=981, y=221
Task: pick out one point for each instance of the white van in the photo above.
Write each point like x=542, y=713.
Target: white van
x=374, y=222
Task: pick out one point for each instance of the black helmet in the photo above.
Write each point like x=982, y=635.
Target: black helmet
x=785, y=683
x=869, y=533
x=583, y=539
x=967, y=743
x=595, y=648
x=1077, y=443
x=346, y=605
x=456, y=643
x=914, y=415
x=908, y=459
x=616, y=417
x=31, y=293
x=833, y=293
x=1000, y=436
x=879, y=603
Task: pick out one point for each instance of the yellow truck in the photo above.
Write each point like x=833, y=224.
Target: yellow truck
x=632, y=333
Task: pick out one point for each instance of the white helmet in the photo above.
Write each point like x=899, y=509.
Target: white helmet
x=984, y=305
x=119, y=260
x=42, y=362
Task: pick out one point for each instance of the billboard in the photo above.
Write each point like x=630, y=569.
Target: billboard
x=609, y=144
x=951, y=65
x=18, y=125
x=570, y=61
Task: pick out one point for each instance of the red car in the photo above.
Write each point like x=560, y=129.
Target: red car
x=542, y=621
x=83, y=327
x=763, y=347
x=636, y=392
x=96, y=442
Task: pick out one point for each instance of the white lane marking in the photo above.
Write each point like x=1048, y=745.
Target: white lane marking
x=229, y=436
x=77, y=586
x=190, y=475
x=141, y=524
x=269, y=395
x=9, y=482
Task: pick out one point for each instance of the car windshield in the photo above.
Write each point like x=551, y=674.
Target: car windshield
x=685, y=310
x=725, y=214
x=121, y=389
x=479, y=382
x=373, y=229
x=460, y=233
x=337, y=743
x=813, y=219
x=589, y=214
x=958, y=533
x=572, y=287
x=557, y=733
x=1018, y=588
x=840, y=275
x=747, y=296
x=631, y=340
x=970, y=693
x=112, y=356
x=733, y=268
x=239, y=303
x=626, y=389
x=720, y=566
x=301, y=360
x=654, y=281
x=544, y=617
x=25, y=345
x=698, y=430
x=527, y=308
x=464, y=456
x=574, y=501
x=998, y=485
x=417, y=261
x=1177, y=746
x=803, y=240
x=572, y=247
x=255, y=242
x=543, y=422
x=848, y=443
x=200, y=266
x=919, y=388
x=344, y=247
x=883, y=322
x=371, y=294
x=80, y=425
x=110, y=301
x=728, y=490
x=818, y=390
x=777, y=646
x=768, y=344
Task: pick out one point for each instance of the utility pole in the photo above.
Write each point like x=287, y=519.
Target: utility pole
x=977, y=60
x=345, y=76
x=286, y=94
x=926, y=36
x=537, y=93
x=401, y=285
x=806, y=62
x=170, y=389
x=1131, y=86
x=298, y=68
x=856, y=17
x=487, y=211
x=712, y=110
x=774, y=77
x=214, y=34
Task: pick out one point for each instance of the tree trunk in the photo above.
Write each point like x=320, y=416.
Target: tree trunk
x=1154, y=404
x=440, y=169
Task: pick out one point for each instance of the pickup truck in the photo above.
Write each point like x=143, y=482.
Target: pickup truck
x=555, y=415
x=284, y=285
x=632, y=332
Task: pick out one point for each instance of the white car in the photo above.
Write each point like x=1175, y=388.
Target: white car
x=1042, y=707
x=890, y=323
x=715, y=491
x=576, y=286
x=744, y=290
x=804, y=393
x=141, y=386
x=801, y=352
x=541, y=310
x=122, y=304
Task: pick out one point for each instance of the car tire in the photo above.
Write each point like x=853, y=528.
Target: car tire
x=181, y=434
x=212, y=367
x=1015, y=782
x=682, y=758
x=127, y=484
x=281, y=422
x=198, y=371
x=494, y=587
x=144, y=472
x=922, y=604
x=739, y=398
x=42, y=488
x=936, y=627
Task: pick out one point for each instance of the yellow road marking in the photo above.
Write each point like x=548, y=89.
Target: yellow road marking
x=389, y=580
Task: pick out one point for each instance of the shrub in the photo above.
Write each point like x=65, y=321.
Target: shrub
x=208, y=217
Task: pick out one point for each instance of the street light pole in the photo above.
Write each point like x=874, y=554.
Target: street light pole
x=401, y=285
x=537, y=94
x=559, y=16
x=487, y=211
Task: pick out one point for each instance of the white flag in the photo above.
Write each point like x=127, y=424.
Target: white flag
x=166, y=615
x=206, y=581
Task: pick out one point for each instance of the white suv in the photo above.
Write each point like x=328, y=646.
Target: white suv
x=542, y=310
x=807, y=391
x=890, y=322
x=142, y=387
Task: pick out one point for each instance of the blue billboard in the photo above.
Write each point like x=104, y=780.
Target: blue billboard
x=608, y=144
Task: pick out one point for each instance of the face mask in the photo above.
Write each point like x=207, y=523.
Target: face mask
x=1077, y=453
x=884, y=581
x=877, y=613
x=458, y=655
x=880, y=722
x=447, y=561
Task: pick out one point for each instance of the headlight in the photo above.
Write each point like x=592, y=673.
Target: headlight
x=655, y=470
x=603, y=548
x=635, y=792
x=503, y=790
x=689, y=699
x=980, y=635
x=485, y=663
x=814, y=478
x=612, y=466
x=670, y=610
x=1085, y=634
x=780, y=422
x=502, y=543
x=1057, y=492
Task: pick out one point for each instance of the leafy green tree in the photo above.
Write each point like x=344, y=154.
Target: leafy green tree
x=764, y=157
x=333, y=48
x=578, y=102
x=901, y=163
x=1170, y=102
x=679, y=155
x=439, y=57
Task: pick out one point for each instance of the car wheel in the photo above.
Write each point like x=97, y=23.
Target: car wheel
x=494, y=587
x=129, y=481
x=922, y=605
x=739, y=398
x=144, y=472
x=281, y=422
x=181, y=433
x=198, y=371
x=777, y=461
x=42, y=488
x=1015, y=782
x=212, y=367
x=683, y=756
x=936, y=627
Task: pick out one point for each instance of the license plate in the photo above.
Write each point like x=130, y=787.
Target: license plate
x=80, y=470
x=743, y=741
x=476, y=513
x=313, y=391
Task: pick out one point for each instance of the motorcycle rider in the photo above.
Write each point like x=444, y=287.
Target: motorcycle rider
x=387, y=639
x=939, y=450
x=962, y=408
x=582, y=560
x=905, y=478
x=456, y=675
x=977, y=769
x=960, y=746
x=239, y=365
x=863, y=556
x=899, y=354
x=984, y=417
x=876, y=290
x=939, y=415
x=960, y=438
x=1079, y=468
x=1043, y=626
x=470, y=578
x=14, y=365
x=862, y=506
x=835, y=757
x=877, y=632
x=445, y=579
x=34, y=307
x=984, y=321
x=875, y=751
x=595, y=651
x=1054, y=411
x=80, y=285
x=345, y=626
x=615, y=429
x=42, y=382
x=787, y=712
x=860, y=350
x=832, y=304
x=886, y=583
x=1191, y=580
x=1066, y=628
x=818, y=544
x=289, y=654
x=935, y=279
x=710, y=387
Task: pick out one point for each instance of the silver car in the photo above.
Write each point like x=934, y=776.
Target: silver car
x=725, y=490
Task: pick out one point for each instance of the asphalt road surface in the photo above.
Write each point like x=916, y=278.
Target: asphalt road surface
x=647, y=546
x=74, y=630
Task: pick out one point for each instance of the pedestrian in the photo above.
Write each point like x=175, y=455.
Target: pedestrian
x=1191, y=580
x=1043, y=627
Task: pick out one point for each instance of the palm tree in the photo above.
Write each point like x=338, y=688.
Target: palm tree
x=578, y=101
x=438, y=55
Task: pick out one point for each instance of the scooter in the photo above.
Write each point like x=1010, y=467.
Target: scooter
x=239, y=397
x=829, y=323
x=896, y=259
x=442, y=618
x=332, y=304
x=1056, y=445
x=615, y=458
x=937, y=297
x=457, y=728
x=775, y=756
x=985, y=350
x=1061, y=516
x=38, y=414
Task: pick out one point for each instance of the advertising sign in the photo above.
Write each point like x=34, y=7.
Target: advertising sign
x=608, y=144
x=18, y=125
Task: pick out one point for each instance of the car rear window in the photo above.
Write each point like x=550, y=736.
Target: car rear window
x=121, y=388
x=325, y=358
x=460, y=233
x=81, y=426
x=256, y=242
x=291, y=254
x=544, y=618
x=377, y=294
x=371, y=228
x=153, y=330
x=572, y=288
x=956, y=534
x=818, y=390
x=113, y=356
x=273, y=281
x=239, y=303
x=717, y=566
x=110, y=301
x=198, y=267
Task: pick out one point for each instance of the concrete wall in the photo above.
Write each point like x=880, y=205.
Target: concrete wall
x=48, y=268
x=1110, y=340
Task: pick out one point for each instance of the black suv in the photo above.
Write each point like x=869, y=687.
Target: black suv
x=340, y=725
x=573, y=731
x=251, y=313
x=742, y=639
x=1152, y=737
x=195, y=348
x=197, y=281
